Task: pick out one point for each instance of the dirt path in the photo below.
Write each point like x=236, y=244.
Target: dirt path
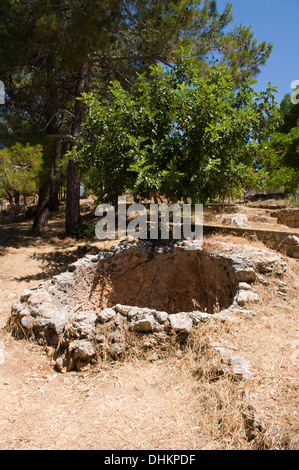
x=130, y=406
x=163, y=404
x=134, y=406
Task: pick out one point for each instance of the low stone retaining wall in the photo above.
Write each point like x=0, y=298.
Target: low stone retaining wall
x=286, y=243
x=288, y=217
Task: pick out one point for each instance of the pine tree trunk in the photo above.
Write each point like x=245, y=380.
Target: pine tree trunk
x=17, y=198
x=10, y=198
x=42, y=213
x=54, y=199
x=72, y=197
x=44, y=197
x=72, y=213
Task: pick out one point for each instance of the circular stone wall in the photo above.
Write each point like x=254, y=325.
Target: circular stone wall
x=88, y=311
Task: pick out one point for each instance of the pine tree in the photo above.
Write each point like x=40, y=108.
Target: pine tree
x=20, y=170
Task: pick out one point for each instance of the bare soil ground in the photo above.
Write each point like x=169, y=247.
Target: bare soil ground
x=178, y=402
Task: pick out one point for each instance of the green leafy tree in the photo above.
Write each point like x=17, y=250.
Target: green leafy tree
x=279, y=159
x=279, y=154
x=179, y=135
x=247, y=177
x=289, y=113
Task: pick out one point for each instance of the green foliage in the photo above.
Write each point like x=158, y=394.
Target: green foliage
x=180, y=134
x=20, y=169
x=83, y=230
x=289, y=113
x=279, y=155
x=40, y=69
x=279, y=159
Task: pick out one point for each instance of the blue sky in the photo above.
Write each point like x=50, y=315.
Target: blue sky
x=275, y=21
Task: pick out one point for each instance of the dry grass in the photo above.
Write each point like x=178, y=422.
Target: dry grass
x=160, y=398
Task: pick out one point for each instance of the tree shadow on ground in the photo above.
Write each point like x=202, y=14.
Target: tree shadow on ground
x=56, y=262
x=17, y=235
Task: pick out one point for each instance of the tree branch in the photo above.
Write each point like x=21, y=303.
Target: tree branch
x=98, y=58
x=57, y=112
x=62, y=136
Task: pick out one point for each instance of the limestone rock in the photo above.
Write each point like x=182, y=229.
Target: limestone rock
x=82, y=326
x=81, y=349
x=222, y=350
x=161, y=317
x=145, y=324
x=245, y=296
x=290, y=244
x=239, y=373
x=245, y=286
x=204, y=317
x=124, y=309
x=180, y=322
x=245, y=274
x=106, y=315
x=239, y=220
x=238, y=361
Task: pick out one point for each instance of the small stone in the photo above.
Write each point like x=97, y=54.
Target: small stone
x=241, y=372
x=161, y=317
x=262, y=280
x=244, y=286
x=201, y=317
x=60, y=364
x=238, y=361
x=222, y=350
x=27, y=322
x=282, y=294
x=245, y=274
x=81, y=349
x=245, y=296
x=100, y=338
x=124, y=309
x=20, y=310
x=144, y=325
x=181, y=322
x=106, y=315
x=132, y=312
x=149, y=344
